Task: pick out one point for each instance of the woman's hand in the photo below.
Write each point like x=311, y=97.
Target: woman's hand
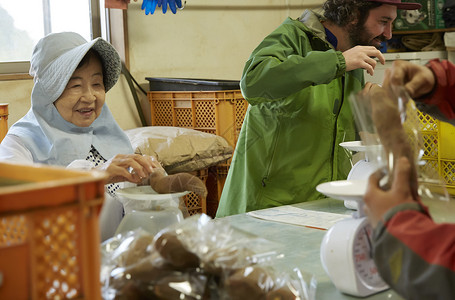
x=378, y=201
x=129, y=167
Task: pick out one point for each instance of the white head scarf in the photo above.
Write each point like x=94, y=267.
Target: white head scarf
x=50, y=138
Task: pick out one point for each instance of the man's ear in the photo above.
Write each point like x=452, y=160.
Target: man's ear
x=352, y=24
x=354, y=21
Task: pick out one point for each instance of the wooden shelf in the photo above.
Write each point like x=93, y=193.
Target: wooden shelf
x=423, y=31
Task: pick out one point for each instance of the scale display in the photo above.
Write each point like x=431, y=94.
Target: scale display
x=346, y=256
x=363, y=254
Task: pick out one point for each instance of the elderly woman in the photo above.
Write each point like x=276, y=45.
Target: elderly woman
x=69, y=123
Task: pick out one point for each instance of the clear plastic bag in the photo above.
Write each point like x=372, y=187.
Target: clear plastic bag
x=390, y=128
x=199, y=258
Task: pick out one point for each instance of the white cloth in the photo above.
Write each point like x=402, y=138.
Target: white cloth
x=13, y=150
x=110, y=217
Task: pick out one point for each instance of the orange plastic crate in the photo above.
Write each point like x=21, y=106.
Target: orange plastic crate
x=215, y=183
x=50, y=239
x=217, y=112
x=194, y=203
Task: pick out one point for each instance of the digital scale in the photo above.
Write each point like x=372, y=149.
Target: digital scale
x=346, y=250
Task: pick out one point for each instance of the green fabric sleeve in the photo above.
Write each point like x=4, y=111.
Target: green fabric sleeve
x=292, y=55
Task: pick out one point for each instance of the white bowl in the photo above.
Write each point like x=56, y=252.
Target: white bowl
x=145, y=198
x=346, y=190
x=357, y=146
x=146, y=192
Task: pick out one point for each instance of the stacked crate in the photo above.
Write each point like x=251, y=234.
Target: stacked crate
x=211, y=106
x=195, y=203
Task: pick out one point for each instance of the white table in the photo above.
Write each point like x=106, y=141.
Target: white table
x=303, y=246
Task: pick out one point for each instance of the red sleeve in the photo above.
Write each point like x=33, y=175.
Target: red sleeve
x=434, y=243
x=443, y=96
x=415, y=255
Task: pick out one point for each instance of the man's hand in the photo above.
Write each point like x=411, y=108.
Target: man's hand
x=363, y=57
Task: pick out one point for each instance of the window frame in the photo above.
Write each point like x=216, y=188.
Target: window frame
x=19, y=70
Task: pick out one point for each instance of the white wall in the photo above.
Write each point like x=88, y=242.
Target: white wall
x=209, y=39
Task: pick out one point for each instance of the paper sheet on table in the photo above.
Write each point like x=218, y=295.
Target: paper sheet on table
x=297, y=216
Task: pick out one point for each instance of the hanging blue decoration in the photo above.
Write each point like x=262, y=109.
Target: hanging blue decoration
x=150, y=5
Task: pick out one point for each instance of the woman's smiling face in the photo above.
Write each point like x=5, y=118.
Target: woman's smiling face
x=83, y=98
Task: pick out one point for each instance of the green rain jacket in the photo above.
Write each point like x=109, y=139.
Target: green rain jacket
x=298, y=88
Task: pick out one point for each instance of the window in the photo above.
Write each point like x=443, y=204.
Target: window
x=24, y=22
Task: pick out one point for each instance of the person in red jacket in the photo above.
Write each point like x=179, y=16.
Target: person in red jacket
x=414, y=255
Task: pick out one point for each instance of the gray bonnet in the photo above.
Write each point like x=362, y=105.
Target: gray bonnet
x=56, y=56
x=51, y=139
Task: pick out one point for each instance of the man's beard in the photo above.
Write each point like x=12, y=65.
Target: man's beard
x=360, y=36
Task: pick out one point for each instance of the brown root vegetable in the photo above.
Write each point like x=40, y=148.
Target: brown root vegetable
x=180, y=182
x=137, y=250
x=143, y=273
x=283, y=293
x=168, y=288
x=131, y=291
x=172, y=250
x=386, y=118
x=226, y=259
x=368, y=138
x=255, y=282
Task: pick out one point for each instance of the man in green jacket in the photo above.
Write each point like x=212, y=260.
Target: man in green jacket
x=297, y=82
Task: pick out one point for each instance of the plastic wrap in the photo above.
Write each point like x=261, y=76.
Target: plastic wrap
x=390, y=128
x=199, y=258
x=143, y=198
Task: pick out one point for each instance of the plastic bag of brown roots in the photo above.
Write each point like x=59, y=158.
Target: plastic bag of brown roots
x=199, y=258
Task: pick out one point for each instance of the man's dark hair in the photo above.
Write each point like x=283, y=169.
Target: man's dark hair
x=343, y=12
